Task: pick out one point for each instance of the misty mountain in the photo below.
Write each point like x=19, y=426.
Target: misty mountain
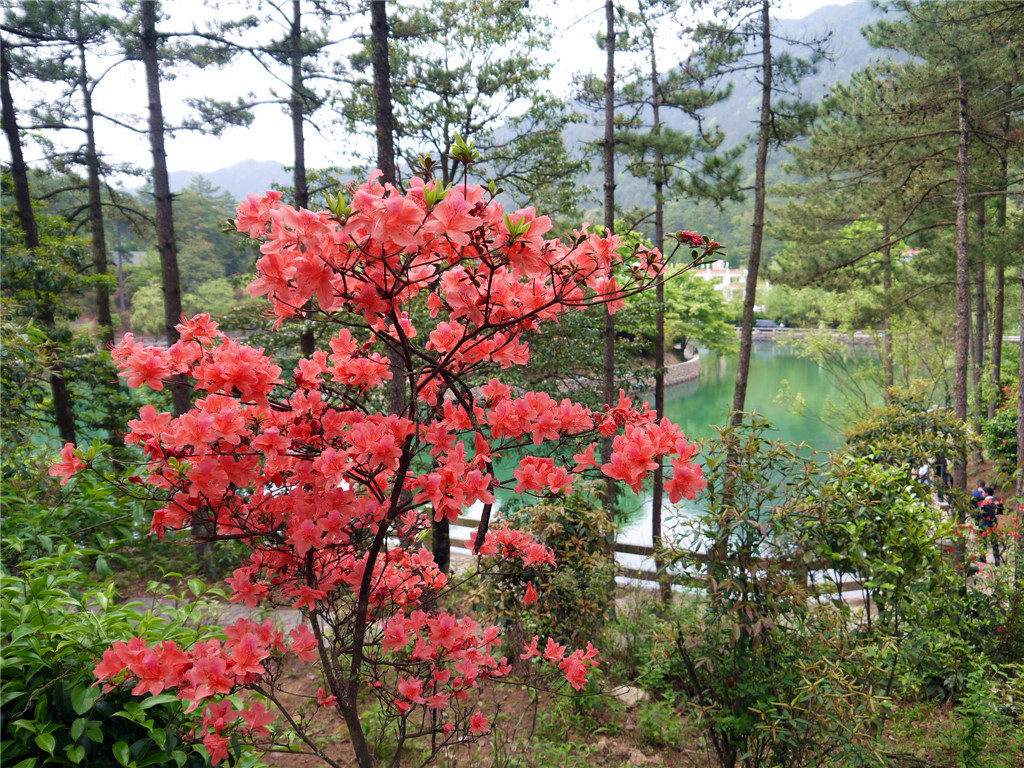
x=737, y=118
x=239, y=179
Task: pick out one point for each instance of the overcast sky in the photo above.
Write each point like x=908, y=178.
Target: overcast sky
x=269, y=138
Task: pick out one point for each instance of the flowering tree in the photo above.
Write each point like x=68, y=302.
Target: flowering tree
x=331, y=494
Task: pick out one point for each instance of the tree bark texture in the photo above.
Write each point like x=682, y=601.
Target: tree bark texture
x=63, y=414
x=890, y=369
x=162, y=194
x=999, y=287
x=658, y=495
x=383, y=112
x=963, y=296
x=609, y=224
x=978, y=338
x=757, y=229
x=297, y=111
x=92, y=163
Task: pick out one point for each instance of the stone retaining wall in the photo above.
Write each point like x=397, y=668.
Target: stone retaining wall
x=680, y=372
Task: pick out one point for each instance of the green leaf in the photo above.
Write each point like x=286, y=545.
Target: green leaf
x=21, y=631
x=28, y=725
x=179, y=757
x=75, y=753
x=121, y=752
x=196, y=587
x=159, y=737
x=78, y=728
x=83, y=697
x=30, y=762
x=10, y=692
x=157, y=758
x=46, y=742
x=152, y=701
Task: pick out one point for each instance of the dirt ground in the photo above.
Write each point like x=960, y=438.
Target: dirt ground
x=614, y=740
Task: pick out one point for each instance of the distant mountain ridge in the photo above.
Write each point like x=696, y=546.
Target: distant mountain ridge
x=736, y=116
x=237, y=180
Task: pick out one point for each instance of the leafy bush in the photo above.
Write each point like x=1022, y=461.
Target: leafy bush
x=951, y=626
x=770, y=676
x=866, y=520
x=989, y=716
x=51, y=710
x=1000, y=434
x=659, y=724
x=90, y=517
x=906, y=431
x=578, y=595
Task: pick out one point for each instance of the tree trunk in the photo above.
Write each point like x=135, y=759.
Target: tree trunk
x=384, y=119
x=609, y=225
x=296, y=108
x=890, y=373
x=978, y=340
x=92, y=163
x=63, y=416
x=658, y=497
x=384, y=114
x=998, y=292
x=104, y=320
x=19, y=171
x=385, y=132
x=162, y=194
x=1020, y=421
x=202, y=548
x=1015, y=622
x=963, y=296
x=996, y=362
x=757, y=230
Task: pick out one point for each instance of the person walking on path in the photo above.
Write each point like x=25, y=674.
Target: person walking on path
x=978, y=494
x=989, y=509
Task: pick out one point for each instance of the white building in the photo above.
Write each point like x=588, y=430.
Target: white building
x=728, y=281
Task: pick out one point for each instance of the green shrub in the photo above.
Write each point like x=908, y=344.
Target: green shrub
x=89, y=516
x=55, y=628
x=578, y=594
x=908, y=431
x=660, y=725
x=865, y=520
x=1000, y=433
x=770, y=676
x=989, y=717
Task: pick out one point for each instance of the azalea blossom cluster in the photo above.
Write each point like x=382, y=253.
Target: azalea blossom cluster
x=330, y=493
x=208, y=669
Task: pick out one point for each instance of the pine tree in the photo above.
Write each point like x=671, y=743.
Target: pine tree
x=677, y=163
x=56, y=47
x=474, y=71
x=62, y=407
x=740, y=38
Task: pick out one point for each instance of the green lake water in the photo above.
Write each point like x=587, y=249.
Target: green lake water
x=794, y=394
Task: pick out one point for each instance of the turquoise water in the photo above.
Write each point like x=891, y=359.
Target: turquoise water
x=794, y=394
x=798, y=398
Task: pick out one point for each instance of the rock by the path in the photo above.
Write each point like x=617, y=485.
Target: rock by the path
x=630, y=696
